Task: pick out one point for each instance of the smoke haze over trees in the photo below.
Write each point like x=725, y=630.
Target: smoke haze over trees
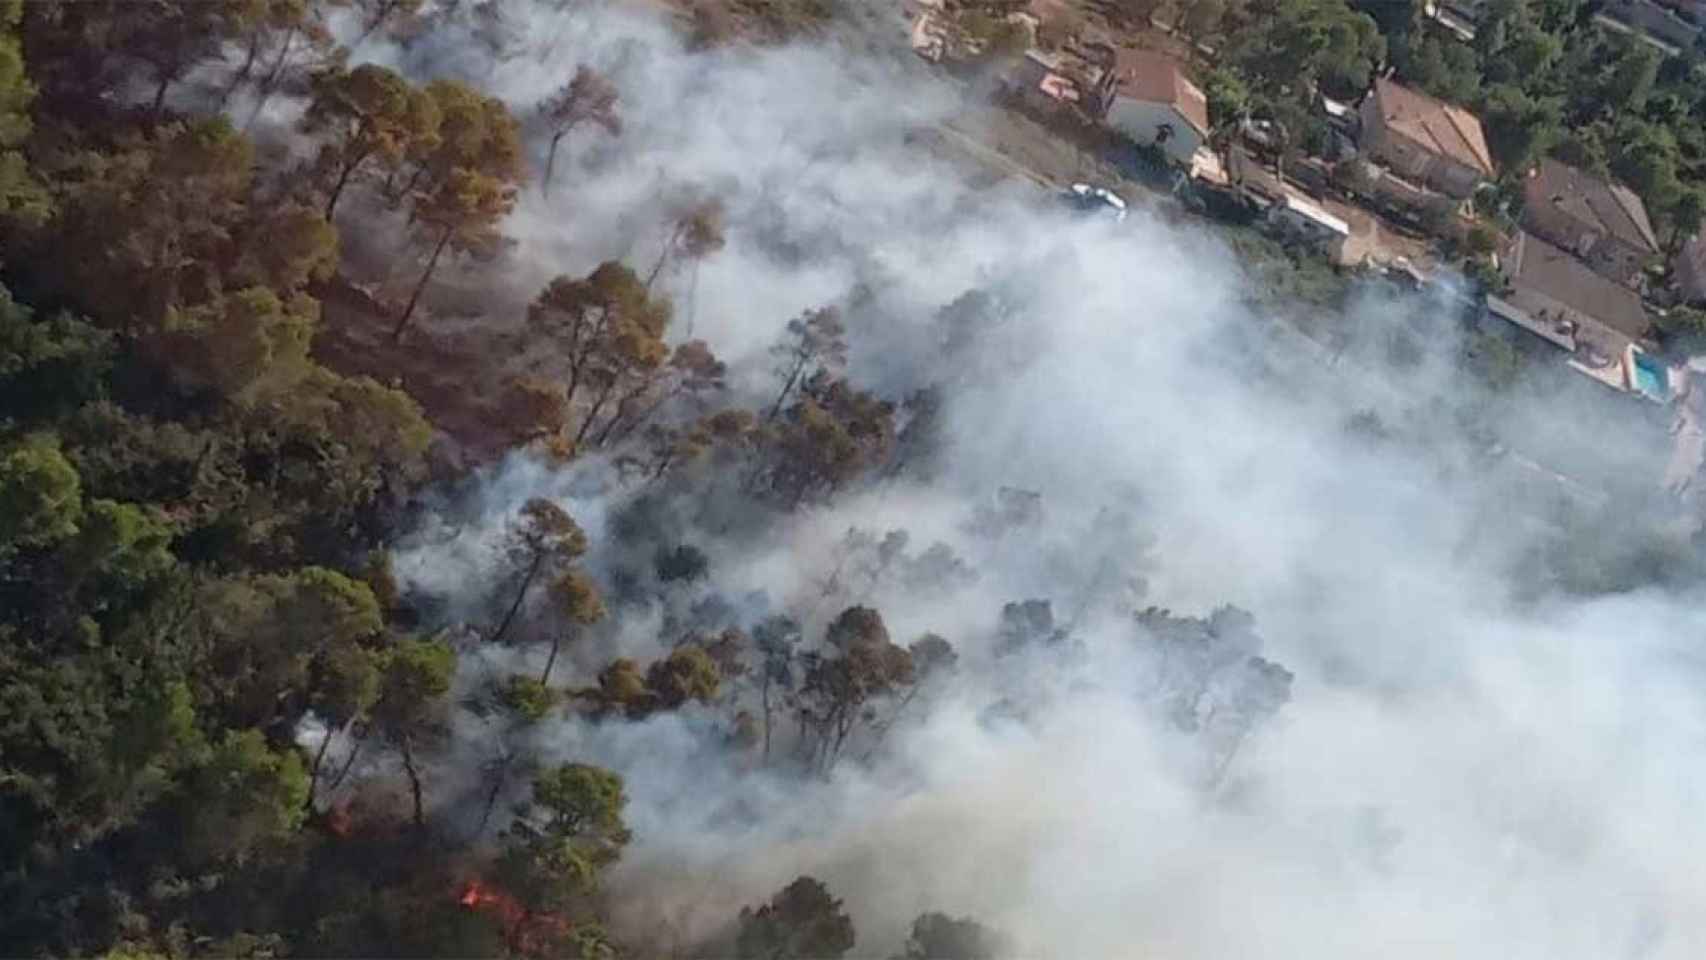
x=757, y=540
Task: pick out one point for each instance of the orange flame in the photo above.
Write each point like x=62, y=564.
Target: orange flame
x=529, y=933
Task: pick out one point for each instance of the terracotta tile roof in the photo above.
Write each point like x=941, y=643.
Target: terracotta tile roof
x=1157, y=78
x=1538, y=267
x=1448, y=130
x=1608, y=207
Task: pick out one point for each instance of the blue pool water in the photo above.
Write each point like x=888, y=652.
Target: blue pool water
x=1649, y=378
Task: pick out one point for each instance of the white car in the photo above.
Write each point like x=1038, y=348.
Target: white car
x=1088, y=199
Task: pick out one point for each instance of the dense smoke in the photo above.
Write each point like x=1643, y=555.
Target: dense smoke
x=1463, y=768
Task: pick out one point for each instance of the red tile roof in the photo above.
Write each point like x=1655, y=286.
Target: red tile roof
x=1157, y=78
x=1610, y=207
x=1539, y=267
x=1448, y=130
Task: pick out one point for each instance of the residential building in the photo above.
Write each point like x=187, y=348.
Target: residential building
x=936, y=36
x=1554, y=295
x=1257, y=184
x=928, y=30
x=1664, y=29
x=1602, y=222
x=1461, y=17
x=1154, y=102
x=1304, y=218
x=1689, y=268
x=1425, y=140
x=1345, y=236
x=1343, y=128
x=1077, y=74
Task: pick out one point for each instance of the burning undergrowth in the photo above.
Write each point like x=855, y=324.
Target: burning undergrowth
x=1008, y=566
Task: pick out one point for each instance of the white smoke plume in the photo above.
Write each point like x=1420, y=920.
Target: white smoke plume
x=1466, y=768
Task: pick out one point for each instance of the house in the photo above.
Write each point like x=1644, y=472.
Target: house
x=1460, y=17
x=1663, y=29
x=1299, y=216
x=1295, y=215
x=1689, y=268
x=1554, y=295
x=1077, y=74
x=1693, y=11
x=1343, y=128
x=1563, y=301
x=936, y=33
x=1155, y=103
x=928, y=30
x=1256, y=184
x=1602, y=222
x=1425, y=140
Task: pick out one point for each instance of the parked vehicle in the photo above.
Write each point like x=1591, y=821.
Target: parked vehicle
x=1087, y=199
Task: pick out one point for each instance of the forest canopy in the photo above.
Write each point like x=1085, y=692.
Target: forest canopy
x=371, y=588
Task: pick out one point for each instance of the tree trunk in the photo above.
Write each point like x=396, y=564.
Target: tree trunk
x=414, y=298
x=592, y=414
x=616, y=419
x=160, y=93
x=337, y=191
x=498, y=781
x=338, y=188
x=693, y=297
x=343, y=771
x=807, y=746
x=266, y=88
x=551, y=661
x=520, y=595
x=764, y=699
x=379, y=17
x=663, y=258
x=787, y=387
x=551, y=162
x=657, y=268
x=630, y=424
x=832, y=753
x=278, y=61
x=242, y=73
x=414, y=782
x=582, y=342
x=881, y=732
x=408, y=188
x=1679, y=236
x=662, y=465
x=314, y=771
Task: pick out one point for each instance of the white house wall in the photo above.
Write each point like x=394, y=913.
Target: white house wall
x=1142, y=122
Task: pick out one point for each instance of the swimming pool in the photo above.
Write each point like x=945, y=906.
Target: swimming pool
x=1650, y=377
